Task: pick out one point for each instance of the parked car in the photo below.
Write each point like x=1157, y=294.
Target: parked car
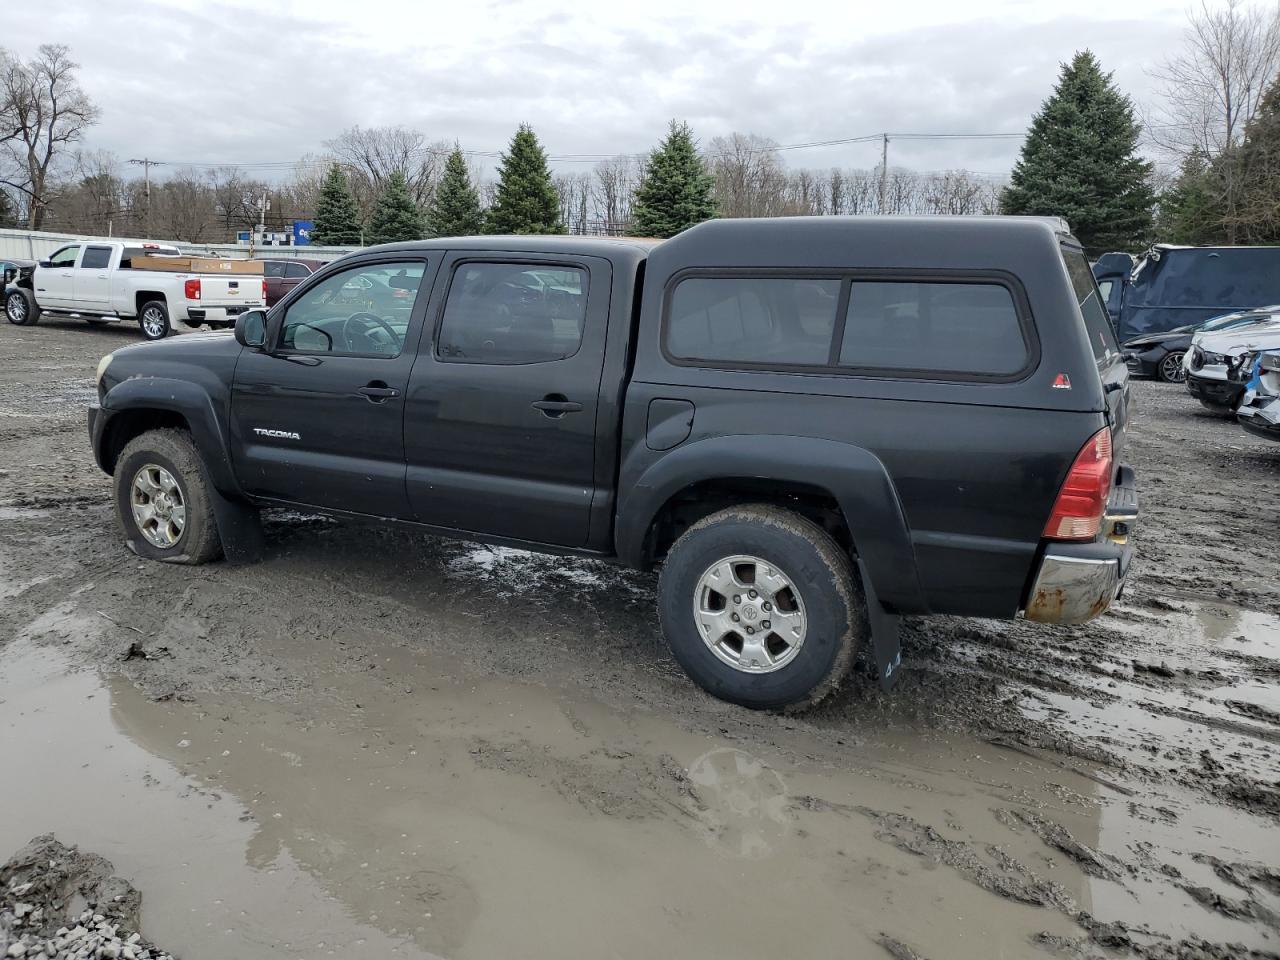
x=1219, y=364
x=100, y=282
x=9, y=270
x=1259, y=410
x=1170, y=287
x=812, y=425
x=283, y=275
x=1161, y=355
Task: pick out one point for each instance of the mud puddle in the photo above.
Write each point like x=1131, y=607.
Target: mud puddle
x=483, y=818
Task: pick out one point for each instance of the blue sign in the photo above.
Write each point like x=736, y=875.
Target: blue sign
x=242, y=236
x=302, y=232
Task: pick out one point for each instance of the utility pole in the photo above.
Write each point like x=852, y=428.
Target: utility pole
x=884, y=171
x=146, y=178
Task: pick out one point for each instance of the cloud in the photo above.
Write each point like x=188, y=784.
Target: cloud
x=248, y=82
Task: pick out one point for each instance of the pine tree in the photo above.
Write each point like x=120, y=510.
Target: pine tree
x=526, y=201
x=675, y=188
x=455, y=212
x=337, y=217
x=1254, y=167
x=396, y=217
x=1080, y=162
x=1191, y=209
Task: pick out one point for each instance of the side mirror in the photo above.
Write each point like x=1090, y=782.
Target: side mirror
x=251, y=329
x=44, y=263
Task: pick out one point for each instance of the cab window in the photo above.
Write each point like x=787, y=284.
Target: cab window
x=66, y=257
x=363, y=311
x=513, y=313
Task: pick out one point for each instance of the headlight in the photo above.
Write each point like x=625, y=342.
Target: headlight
x=1212, y=358
x=102, y=367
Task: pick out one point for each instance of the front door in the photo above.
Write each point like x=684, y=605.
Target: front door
x=93, y=280
x=55, y=284
x=500, y=421
x=318, y=418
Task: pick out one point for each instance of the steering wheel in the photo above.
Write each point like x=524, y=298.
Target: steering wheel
x=371, y=319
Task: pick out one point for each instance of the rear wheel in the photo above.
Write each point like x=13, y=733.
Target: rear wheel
x=1170, y=369
x=20, y=307
x=153, y=320
x=761, y=607
x=163, y=499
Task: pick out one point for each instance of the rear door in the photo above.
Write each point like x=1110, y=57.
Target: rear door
x=93, y=279
x=500, y=421
x=273, y=273
x=294, y=274
x=318, y=418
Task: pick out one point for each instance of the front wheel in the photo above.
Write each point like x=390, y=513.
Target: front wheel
x=1170, y=369
x=153, y=320
x=20, y=307
x=761, y=607
x=163, y=499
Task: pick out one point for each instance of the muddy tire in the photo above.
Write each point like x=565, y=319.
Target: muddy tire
x=153, y=320
x=163, y=500
x=20, y=307
x=761, y=607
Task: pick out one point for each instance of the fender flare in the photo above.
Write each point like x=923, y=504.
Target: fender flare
x=854, y=476
x=194, y=404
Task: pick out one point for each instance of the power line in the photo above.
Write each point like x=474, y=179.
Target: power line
x=597, y=157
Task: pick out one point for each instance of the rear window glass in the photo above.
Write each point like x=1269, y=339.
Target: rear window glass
x=967, y=328
x=513, y=313
x=273, y=269
x=776, y=320
x=95, y=258
x=1102, y=337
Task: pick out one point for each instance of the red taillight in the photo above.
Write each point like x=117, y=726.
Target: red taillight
x=264, y=289
x=192, y=289
x=1077, y=513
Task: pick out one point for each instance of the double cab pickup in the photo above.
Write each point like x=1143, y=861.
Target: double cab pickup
x=810, y=426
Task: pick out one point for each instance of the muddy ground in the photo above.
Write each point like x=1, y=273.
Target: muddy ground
x=375, y=742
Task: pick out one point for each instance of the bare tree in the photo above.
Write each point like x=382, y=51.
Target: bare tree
x=614, y=186
x=371, y=155
x=1212, y=88
x=42, y=111
x=750, y=180
x=574, y=190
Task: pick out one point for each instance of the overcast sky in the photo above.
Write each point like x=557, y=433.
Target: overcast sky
x=267, y=82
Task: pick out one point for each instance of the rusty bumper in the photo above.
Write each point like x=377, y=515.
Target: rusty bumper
x=1078, y=581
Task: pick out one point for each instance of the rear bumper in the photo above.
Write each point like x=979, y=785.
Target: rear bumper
x=1079, y=581
x=1261, y=417
x=220, y=314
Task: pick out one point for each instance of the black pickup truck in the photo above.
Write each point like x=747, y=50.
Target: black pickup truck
x=813, y=426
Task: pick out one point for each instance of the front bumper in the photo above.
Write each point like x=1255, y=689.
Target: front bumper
x=1220, y=393
x=1079, y=581
x=97, y=423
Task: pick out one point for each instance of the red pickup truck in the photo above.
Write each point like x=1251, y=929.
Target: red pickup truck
x=283, y=275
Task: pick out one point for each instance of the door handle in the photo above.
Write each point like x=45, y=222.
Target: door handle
x=556, y=405
x=377, y=392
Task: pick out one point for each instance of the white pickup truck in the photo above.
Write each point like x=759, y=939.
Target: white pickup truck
x=96, y=281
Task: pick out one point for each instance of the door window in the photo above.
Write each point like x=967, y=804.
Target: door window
x=273, y=269
x=66, y=257
x=363, y=311
x=513, y=313
x=95, y=258
x=296, y=271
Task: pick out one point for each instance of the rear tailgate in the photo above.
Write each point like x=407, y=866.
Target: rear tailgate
x=243, y=290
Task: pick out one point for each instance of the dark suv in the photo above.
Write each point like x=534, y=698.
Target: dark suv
x=812, y=425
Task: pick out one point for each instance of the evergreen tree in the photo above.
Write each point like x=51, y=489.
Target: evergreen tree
x=1254, y=167
x=396, y=217
x=337, y=217
x=675, y=188
x=1191, y=209
x=526, y=200
x=455, y=212
x=1080, y=162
